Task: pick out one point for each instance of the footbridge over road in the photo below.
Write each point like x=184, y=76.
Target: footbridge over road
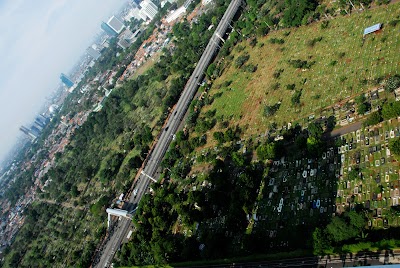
x=149, y=170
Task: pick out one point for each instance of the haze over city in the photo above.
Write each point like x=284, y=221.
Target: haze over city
x=40, y=39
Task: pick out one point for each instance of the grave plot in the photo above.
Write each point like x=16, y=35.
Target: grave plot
x=371, y=175
x=297, y=192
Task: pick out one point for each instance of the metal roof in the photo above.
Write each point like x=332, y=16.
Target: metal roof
x=372, y=28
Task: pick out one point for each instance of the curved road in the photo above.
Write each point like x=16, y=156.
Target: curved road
x=154, y=159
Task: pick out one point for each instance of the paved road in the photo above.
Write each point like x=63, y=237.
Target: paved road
x=165, y=138
x=346, y=129
x=368, y=259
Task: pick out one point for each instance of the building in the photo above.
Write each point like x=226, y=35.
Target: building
x=205, y=2
x=27, y=132
x=116, y=24
x=66, y=81
x=187, y=3
x=35, y=130
x=123, y=43
x=108, y=30
x=149, y=9
x=125, y=39
x=142, y=15
x=176, y=14
x=133, y=13
x=93, y=53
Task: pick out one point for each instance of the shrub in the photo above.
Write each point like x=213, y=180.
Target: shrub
x=312, y=42
x=277, y=73
x=290, y=86
x=303, y=64
x=242, y=59
x=275, y=86
x=253, y=42
x=276, y=41
x=270, y=110
x=392, y=83
x=341, y=55
x=316, y=97
x=333, y=63
x=324, y=24
x=394, y=23
x=251, y=68
x=296, y=97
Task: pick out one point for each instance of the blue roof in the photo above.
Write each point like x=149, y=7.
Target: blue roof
x=373, y=28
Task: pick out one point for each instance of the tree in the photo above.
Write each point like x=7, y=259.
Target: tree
x=296, y=10
x=339, y=230
x=211, y=69
x=390, y=110
x=362, y=108
x=314, y=145
x=394, y=146
x=373, y=119
x=238, y=159
x=315, y=130
x=266, y=151
x=219, y=137
x=320, y=242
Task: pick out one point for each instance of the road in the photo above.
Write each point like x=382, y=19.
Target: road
x=346, y=129
x=349, y=260
x=154, y=159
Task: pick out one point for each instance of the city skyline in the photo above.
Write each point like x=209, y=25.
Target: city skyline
x=40, y=40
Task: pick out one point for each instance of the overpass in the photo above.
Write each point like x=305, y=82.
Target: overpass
x=152, y=163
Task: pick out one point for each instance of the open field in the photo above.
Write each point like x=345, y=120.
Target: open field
x=342, y=65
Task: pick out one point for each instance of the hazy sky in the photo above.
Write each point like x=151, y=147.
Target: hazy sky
x=40, y=39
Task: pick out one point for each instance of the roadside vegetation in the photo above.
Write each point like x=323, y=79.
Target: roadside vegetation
x=102, y=159
x=239, y=179
x=229, y=186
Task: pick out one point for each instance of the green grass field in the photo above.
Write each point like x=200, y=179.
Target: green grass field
x=345, y=65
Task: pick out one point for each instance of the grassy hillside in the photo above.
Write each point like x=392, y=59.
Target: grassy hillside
x=341, y=64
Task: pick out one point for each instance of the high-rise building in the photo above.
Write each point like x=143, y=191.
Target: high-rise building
x=35, y=130
x=27, y=132
x=39, y=123
x=109, y=31
x=66, y=80
x=93, y=53
x=116, y=24
x=142, y=15
x=149, y=9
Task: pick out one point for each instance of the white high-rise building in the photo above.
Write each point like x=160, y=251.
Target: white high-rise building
x=149, y=9
x=142, y=15
x=116, y=24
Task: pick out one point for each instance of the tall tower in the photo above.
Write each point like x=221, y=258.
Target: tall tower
x=27, y=132
x=149, y=9
x=66, y=80
x=109, y=31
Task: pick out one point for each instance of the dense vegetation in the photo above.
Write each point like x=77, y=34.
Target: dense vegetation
x=191, y=215
x=199, y=212
x=107, y=150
